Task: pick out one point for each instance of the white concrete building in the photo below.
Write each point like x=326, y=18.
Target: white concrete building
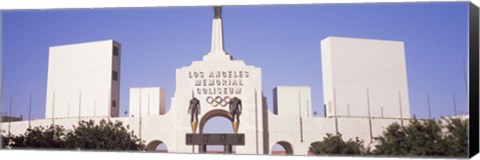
x=83, y=80
x=364, y=77
x=147, y=101
x=292, y=101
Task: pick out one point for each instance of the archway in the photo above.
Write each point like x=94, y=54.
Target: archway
x=216, y=122
x=211, y=114
x=156, y=146
x=282, y=148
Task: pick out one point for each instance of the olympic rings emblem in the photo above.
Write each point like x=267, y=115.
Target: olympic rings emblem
x=218, y=100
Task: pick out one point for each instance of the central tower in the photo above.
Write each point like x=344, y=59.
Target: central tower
x=215, y=80
x=217, y=51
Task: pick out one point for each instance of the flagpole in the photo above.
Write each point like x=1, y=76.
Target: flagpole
x=10, y=115
x=30, y=112
x=369, y=116
x=454, y=105
x=335, y=110
x=429, y=110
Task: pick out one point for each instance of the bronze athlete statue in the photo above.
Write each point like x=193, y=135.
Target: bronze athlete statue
x=194, y=111
x=235, y=110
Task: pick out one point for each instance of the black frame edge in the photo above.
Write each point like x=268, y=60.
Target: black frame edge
x=473, y=79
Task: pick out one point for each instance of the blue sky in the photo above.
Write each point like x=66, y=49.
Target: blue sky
x=283, y=40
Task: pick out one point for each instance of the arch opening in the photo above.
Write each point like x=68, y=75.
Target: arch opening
x=212, y=114
x=217, y=122
x=157, y=146
x=282, y=148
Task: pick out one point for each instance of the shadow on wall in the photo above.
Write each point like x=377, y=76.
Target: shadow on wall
x=266, y=135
